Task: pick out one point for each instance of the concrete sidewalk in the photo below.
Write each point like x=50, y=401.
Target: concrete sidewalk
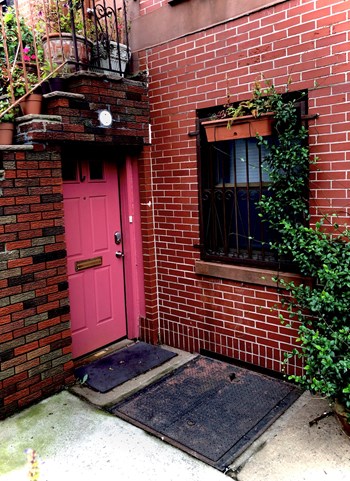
x=77, y=440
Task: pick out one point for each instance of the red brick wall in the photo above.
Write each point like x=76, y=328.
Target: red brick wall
x=307, y=40
x=148, y=6
x=149, y=325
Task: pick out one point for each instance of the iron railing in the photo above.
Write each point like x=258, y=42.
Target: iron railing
x=44, y=38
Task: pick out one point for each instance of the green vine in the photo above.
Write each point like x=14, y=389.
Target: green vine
x=321, y=252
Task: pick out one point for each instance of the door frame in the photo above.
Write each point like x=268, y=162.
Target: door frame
x=129, y=191
x=130, y=212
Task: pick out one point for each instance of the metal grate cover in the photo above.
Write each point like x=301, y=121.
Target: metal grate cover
x=208, y=408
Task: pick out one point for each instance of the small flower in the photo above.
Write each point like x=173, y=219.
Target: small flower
x=32, y=465
x=26, y=50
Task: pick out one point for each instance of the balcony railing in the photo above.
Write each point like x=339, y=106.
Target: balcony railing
x=42, y=39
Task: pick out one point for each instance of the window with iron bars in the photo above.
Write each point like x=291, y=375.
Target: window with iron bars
x=233, y=177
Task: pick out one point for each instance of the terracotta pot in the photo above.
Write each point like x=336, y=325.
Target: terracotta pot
x=6, y=133
x=31, y=104
x=60, y=47
x=241, y=127
x=342, y=416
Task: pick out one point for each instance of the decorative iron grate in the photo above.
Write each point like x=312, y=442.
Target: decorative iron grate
x=232, y=182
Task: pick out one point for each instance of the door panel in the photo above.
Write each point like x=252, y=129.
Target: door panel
x=77, y=308
x=72, y=220
x=98, y=212
x=103, y=296
x=95, y=274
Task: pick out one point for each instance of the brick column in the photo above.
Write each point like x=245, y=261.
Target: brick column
x=150, y=324
x=35, y=342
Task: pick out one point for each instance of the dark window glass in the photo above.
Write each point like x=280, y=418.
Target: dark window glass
x=233, y=180
x=96, y=169
x=69, y=169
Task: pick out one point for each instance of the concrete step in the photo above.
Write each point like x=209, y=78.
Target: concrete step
x=110, y=398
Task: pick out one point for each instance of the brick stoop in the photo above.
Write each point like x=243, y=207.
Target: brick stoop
x=35, y=336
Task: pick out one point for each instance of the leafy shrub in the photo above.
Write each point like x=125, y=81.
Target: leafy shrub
x=321, y=252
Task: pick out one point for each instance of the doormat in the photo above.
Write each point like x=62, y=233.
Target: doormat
x=208, y=408
x=115, y=369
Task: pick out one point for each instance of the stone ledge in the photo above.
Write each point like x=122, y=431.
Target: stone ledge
x=39, y=117
x=96, y=75
x=60, y=94
x=16, y=147
x=249, y=275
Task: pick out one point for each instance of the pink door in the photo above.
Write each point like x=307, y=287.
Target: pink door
x=94, y=249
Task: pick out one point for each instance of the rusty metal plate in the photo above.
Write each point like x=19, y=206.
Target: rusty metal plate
x=88, y=263
x=210, y=409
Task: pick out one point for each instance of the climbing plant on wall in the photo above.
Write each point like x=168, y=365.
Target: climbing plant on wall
x=320, y=251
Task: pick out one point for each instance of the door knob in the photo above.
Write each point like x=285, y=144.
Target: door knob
x=119, y=254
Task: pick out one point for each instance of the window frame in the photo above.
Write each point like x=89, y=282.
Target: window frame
x=273, y=262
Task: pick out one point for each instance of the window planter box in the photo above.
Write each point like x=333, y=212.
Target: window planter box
x=241, y=127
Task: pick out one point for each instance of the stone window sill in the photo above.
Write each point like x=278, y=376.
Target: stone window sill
x=172, y=3
x=248, y=275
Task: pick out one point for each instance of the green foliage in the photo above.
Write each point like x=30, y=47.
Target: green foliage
x=57, y=17
x=321, y=252
x=11, y=32
x=263, y=100
x=47, y=68
x=10, y=115
x=19, y=82
x=17, y=51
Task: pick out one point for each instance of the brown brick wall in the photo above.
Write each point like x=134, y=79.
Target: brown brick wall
x=35, y=358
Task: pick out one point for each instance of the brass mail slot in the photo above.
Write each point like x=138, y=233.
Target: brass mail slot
x=88, y=263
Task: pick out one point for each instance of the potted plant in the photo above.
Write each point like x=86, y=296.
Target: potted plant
x=54, y=81
x=62, y=26
x=247, y=119
x=10, y=25
x=20, y=52
x=24, y=86
x=109, y=52
x=7, y=118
